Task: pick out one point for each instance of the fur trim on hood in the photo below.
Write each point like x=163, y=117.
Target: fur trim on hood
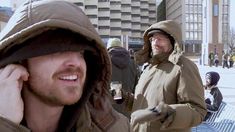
x=168, y=26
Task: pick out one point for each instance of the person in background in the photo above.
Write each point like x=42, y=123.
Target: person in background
x=124, y=71
x=230, y=60
x=54, y=72
x=225, y=60
x=213, y=96
x=211, y=58
x=169, y=96
x=216, y=60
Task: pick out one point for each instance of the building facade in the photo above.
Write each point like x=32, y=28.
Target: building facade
x=5, y=14
x=124, y=19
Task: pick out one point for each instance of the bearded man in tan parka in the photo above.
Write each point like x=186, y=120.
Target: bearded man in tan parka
x=54, y=72
x=169, y=96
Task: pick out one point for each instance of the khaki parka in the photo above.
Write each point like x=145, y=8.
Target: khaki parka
x=93, y=112
x=171, y=79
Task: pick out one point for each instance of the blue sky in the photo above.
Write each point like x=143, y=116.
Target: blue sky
x=232, y=10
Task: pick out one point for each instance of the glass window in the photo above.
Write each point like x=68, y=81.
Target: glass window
x=199, y=35
x=200, y=26
x=195, y=26
x=191, y=26
x=191, y=8
x=215, y=10
x=187, y=26
x=187, y=35
x=191, y=17
x=225, y=9
x=199, y=9
x=191, y=36
x=195, y=18
x=186, y=1
x=199, y=2
x=195, y=9
x=225, y=1
x=195, y=36
x=199, y=17
x=186, y=9
x=187, y=17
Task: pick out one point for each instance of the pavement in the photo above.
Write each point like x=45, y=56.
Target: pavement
x=226, y=83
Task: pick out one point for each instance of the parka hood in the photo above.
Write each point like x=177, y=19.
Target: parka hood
x=33, y=18
x=120, y=57
x=168, y=26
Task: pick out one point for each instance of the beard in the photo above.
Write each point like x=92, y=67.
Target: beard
x=52, y=98
x=158, y=58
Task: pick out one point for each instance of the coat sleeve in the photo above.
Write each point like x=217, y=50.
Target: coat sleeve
x=190, y=107
x=8, y=126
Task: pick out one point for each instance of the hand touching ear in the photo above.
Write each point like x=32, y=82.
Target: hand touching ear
x=11, y=81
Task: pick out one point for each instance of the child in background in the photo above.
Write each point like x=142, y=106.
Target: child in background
x=213, y=96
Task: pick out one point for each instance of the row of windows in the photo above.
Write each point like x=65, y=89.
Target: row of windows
x=193, y=8
x=225, y=2
x=193, y=17
x=193, y=1
x=193, y=35
x=193, y=26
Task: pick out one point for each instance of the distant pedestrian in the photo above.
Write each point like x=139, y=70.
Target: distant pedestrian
x=216, y=60
x=225, y=60
x=213, y=96
x=211, y=58
x=124, y=71
x=230, y=60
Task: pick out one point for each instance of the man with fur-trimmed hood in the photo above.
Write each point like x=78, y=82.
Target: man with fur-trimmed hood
x=54, y=72
x=169, y=96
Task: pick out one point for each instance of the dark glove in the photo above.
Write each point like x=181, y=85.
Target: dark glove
x=208, y=101
x=162, y=112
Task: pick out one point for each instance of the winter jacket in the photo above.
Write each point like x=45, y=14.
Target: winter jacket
x=172, y=79
x=93, y=112
x=213, y=101
x=124, y=70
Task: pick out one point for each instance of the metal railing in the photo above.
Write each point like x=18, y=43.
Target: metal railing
x=221, y=121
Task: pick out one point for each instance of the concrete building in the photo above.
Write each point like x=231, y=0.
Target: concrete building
x=5, y=14
x=205, y=25
x=124, y=19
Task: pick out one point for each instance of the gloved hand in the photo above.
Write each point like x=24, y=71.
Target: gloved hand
x=208, y=101
x=162, y=112
x=166, y=113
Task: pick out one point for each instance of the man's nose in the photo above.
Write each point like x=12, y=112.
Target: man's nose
x=155, y=41
x=74, y=59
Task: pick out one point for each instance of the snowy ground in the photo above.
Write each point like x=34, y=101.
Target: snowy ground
x=226, y=82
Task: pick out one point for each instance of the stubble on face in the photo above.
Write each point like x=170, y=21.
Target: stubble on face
x=60, y=87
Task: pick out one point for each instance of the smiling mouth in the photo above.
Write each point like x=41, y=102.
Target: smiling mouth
x=69, y=78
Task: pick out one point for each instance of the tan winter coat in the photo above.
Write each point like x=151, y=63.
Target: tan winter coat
x=93, y=112
x=175, y=80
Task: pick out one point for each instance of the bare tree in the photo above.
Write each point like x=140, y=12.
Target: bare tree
x=231, y=41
